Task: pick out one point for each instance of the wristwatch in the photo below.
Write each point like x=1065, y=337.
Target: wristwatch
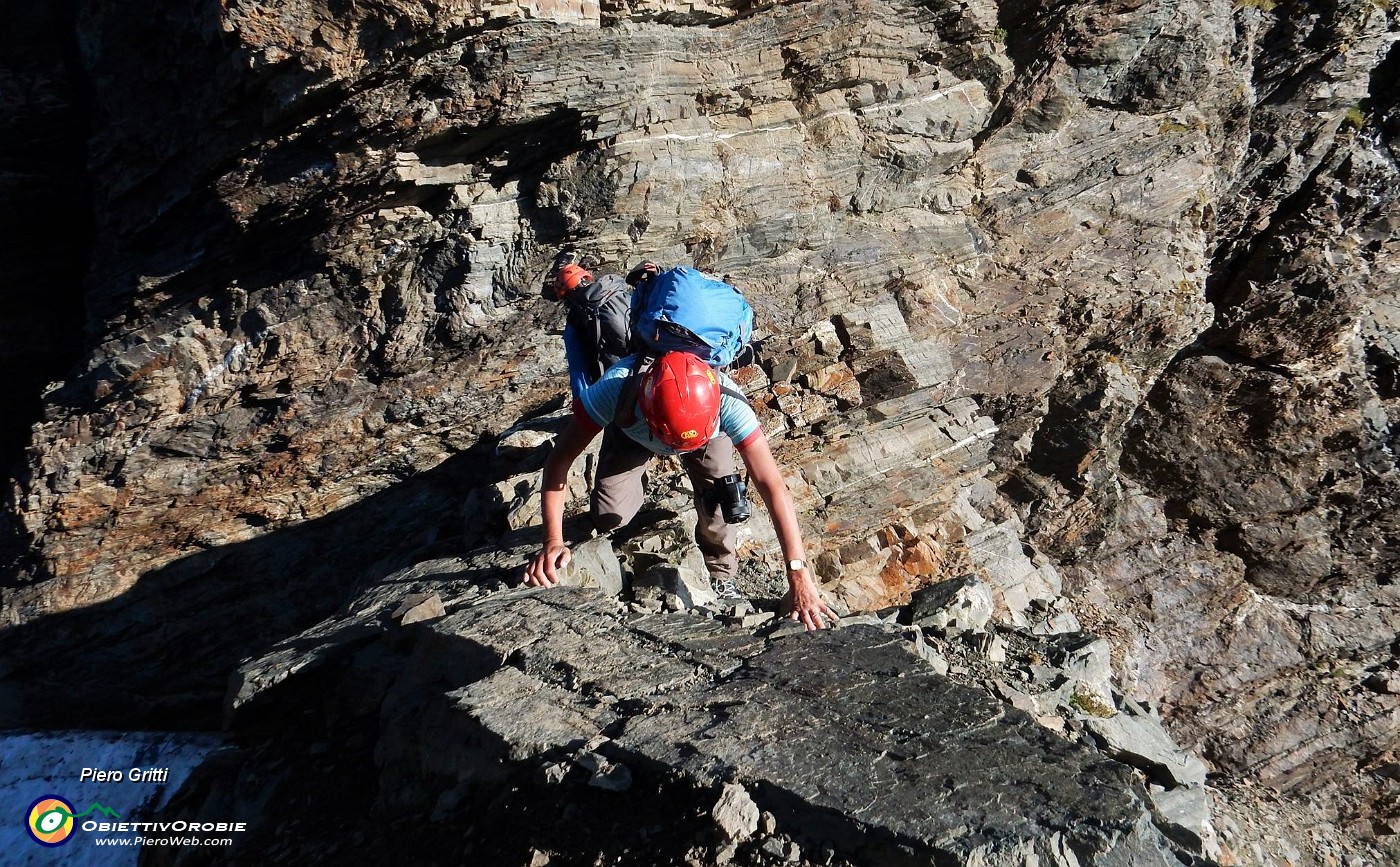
x=796, y=565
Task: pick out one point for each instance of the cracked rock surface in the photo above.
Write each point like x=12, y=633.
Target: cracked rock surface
x=848, y=741
x=1090, y=307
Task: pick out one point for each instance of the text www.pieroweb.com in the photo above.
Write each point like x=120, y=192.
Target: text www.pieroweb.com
x=163, y=841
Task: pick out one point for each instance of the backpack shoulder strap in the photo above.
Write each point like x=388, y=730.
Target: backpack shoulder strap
x=626, y=413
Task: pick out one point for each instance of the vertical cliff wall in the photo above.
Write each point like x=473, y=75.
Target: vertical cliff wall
x=44, y=224
x=1105, y=291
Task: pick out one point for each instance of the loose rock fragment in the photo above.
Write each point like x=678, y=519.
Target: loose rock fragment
x=960, y=605
x=594, y=564
x=1142, y=742
x=735, y=813
x=418, y=607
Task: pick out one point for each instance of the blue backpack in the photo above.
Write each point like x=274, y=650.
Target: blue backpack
x=684, y=310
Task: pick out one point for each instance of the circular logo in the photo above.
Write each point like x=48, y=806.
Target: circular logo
x=50, y=821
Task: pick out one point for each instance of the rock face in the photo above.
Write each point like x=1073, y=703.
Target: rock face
x=44, y=225
x=855, y=750
x=1093, y=303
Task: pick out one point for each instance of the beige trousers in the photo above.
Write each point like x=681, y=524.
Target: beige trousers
x=617, y=493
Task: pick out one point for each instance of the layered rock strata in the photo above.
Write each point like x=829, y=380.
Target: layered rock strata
x=1085, y=298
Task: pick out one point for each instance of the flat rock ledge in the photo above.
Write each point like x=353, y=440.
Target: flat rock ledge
x=850, y=748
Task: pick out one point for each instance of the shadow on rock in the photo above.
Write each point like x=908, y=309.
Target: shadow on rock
x=160, y=655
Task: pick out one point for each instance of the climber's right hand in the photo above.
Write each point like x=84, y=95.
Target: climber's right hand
x=543, y=571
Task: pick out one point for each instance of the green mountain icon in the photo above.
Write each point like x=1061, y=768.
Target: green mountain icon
x=94, y=807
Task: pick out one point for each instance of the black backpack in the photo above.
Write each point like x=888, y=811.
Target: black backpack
x=600, y=313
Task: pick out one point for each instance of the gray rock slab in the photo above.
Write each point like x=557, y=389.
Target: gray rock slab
x=841, y=734
x=254, y=680
x=682, y=588
x=566, y=636
x=1142, y=742
x=838, y=724
x=1184, y=813
x=604, y=774
x=1086, y=661
x=719, y=648
x=594, y=564
x=920, y=647
x=421, y=592
x=528, y=716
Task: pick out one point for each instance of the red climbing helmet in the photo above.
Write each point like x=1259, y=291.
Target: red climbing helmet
x=679, y=397
x=570, y=278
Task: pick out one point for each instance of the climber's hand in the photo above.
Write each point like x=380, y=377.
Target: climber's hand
x=544, y=569
x=804, y=604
